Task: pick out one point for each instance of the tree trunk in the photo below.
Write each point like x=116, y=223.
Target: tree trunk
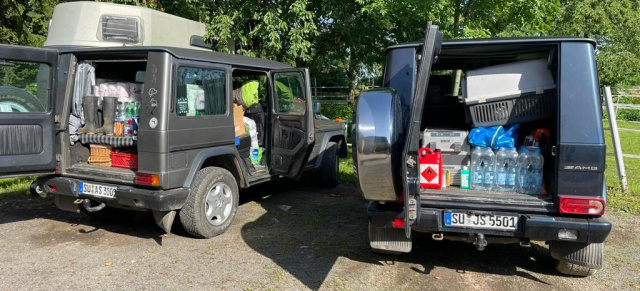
x=456, y=18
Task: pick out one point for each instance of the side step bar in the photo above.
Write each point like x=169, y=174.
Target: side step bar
x=389, y=240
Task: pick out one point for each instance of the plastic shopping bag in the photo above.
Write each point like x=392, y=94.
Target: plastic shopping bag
x=495, y=136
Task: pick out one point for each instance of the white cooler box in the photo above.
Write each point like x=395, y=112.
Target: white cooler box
x=454, y=146
x=516, y=92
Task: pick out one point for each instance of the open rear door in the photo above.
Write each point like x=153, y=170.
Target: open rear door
x=26, y=110
x=291, y=128
x=427, y=56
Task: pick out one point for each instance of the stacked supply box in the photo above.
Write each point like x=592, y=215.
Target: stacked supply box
x=455, y=149
x=516, y=92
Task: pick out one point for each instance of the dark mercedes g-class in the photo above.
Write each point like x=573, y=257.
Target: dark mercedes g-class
x=437, y=93
x=155, y=128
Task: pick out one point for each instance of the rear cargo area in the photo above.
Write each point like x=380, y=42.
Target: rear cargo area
x=500, y=99
x=104, y=113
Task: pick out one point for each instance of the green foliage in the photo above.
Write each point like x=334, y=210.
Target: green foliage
x=25, y=22
x=628, y=201
x=279, y=30
x=333, y=111
x=615, y=25
x=15, y=185
x=346, y=172
x=628, y=114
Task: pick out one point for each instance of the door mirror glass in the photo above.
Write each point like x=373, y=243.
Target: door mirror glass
x=316, y=107
x=290, y=93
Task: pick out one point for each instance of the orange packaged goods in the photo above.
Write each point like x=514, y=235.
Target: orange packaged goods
x=124, y=160
x=430, y=168
x=238, y=113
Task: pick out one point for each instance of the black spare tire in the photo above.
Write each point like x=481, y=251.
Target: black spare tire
x=15, y=96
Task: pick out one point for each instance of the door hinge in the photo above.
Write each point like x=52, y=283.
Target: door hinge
x=56, y=118
x=411, y=162
x=413, y=209
x=554, y=151
x=58, y=157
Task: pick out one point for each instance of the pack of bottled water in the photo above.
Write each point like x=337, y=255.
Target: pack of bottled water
x=530, y=164
x=506, y=170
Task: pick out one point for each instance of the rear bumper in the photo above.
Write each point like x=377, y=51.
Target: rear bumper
x=153, y=199
x=531, y=226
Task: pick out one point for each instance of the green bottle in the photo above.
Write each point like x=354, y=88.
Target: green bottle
x=464, y=177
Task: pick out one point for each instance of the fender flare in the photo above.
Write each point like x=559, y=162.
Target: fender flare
x=204, y=155
x=325, y=141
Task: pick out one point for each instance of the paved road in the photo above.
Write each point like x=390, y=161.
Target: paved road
x=286, y=236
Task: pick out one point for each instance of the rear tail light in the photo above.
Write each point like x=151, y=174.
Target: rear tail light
x=147, y=179
x=398, y=223
x=581, y=205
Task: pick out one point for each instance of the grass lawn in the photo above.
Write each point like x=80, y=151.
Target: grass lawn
x=15, y=185
x=346, y=173
x=616, y=198
x=623, y=124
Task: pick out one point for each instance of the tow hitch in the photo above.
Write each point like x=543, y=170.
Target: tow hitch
x=480, y=242
x=86, y=203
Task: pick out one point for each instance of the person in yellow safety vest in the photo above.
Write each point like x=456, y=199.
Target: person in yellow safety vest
x=250, y=93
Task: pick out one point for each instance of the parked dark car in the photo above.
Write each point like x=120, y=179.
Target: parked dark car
x=426, y=90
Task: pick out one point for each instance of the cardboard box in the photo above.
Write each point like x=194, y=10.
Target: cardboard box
x=238, y=113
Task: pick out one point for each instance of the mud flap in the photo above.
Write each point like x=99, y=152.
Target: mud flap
x=582, y=254
x=164, y=219
x=389, y=239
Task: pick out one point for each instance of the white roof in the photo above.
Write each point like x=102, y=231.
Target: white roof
x=80, y=24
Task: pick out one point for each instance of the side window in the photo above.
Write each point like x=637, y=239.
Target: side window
x=24, y=87
x=290, y=93
x=200, y=92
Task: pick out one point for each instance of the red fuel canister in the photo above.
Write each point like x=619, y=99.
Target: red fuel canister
x=430, y=168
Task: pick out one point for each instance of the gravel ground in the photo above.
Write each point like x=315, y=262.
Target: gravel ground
x=286, y=236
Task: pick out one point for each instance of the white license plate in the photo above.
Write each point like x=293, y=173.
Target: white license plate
x=483, y=221
x=97, y=190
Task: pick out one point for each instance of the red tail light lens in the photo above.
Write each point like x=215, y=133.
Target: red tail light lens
x=398, y=223
x=147, y=179
x=581, y=205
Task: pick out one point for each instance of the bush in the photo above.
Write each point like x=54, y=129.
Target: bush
x=333, y=111
x=628, y=114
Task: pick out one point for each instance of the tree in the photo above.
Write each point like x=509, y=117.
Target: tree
x=25, y=22
x=615, y=25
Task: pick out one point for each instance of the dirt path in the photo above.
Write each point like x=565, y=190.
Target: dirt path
x=286, y=236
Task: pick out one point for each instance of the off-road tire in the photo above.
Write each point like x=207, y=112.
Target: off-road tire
x=193, y=213
x=329, y=167
x=577, y=259
x=21, y=97
x=571, y=269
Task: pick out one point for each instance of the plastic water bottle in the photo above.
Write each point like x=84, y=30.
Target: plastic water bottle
x=488, y=160
x=464, y=178
x=530, y=165
x=505, y=170
x=512, y=171
x=477, y=169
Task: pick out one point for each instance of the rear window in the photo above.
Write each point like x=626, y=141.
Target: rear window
x=200, y=92
x=24, y=87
